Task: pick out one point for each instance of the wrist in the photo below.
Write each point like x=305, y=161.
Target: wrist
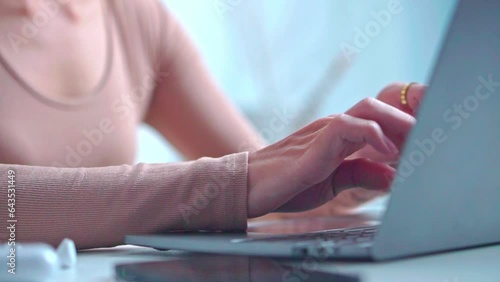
x=268, y=183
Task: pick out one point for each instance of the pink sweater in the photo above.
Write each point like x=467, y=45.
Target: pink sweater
x=73, y=176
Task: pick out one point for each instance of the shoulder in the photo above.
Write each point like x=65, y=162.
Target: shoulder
x=146, y=21
x=149, y=15
x=143, y=28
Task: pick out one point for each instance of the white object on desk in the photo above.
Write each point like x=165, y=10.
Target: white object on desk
x=36, y=261
x=66, y=252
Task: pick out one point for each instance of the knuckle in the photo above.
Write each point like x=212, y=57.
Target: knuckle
x=373, y=128
x=341, y=119
x=368, y=102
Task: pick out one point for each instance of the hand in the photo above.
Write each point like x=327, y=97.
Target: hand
x=308, y=168
x=391, y=95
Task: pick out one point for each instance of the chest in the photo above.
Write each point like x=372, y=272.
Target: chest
x=57, y=69
x=60, y=59
x=42, y=129
x=45, y=136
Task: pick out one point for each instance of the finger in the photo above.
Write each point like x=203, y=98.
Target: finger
x=341, y=138
x=362, y=173
x=353, y=133
x=392, y=96
x=414, y=96
x=395, y=123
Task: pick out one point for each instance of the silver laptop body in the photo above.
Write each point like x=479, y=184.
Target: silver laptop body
x=446, y=195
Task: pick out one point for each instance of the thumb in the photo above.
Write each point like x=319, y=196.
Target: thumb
x=362, y=173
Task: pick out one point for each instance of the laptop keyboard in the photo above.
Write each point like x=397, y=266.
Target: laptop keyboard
x=337, y=236
x=329, y=243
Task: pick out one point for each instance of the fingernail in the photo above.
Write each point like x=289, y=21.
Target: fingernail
x=389, y=177
x=390, y=146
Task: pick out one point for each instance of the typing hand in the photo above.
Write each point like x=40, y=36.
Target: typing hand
x=309, y=167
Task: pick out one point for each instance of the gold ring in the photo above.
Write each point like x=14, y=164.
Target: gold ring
x=404, y=92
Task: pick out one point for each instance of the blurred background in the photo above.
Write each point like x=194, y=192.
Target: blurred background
x=300, y=60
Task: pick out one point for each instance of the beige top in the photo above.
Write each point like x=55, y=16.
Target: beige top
x=68, y=159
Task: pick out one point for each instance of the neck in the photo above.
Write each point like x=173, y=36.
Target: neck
x=18, y=7
x=29, y=8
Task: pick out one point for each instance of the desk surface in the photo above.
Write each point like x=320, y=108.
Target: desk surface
x=472, y=265
x=479, y=264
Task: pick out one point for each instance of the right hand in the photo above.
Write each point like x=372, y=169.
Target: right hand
x=309, y=168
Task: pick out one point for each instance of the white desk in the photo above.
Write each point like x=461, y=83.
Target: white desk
x=473, y=265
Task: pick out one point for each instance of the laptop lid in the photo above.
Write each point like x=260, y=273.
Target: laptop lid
x=447, y=191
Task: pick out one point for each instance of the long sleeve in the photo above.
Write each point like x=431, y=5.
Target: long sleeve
x=97, y=207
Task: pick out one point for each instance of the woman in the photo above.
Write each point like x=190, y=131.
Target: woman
x=78, y=77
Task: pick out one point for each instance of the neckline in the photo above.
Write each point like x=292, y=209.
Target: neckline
x=87, y=98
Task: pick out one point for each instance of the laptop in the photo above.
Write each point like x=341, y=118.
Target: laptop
x=446, y=195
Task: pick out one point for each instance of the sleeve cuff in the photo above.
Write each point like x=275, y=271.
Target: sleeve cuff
x=219, y=199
